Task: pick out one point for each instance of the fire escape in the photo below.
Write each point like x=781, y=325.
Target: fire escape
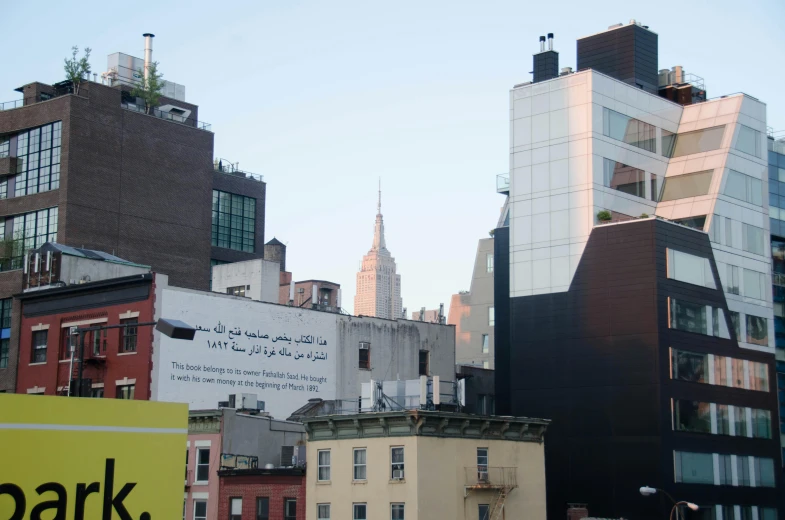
x=496, y=483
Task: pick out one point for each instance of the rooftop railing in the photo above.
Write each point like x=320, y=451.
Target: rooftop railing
x=503, y=183
x=169, y=116
x=224, y=166
x=8, y=105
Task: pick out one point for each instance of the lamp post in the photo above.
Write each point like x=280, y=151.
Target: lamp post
x=648, y=491
x=175, y=329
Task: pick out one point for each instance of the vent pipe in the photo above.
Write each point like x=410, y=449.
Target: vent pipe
x=542, y=43
x=550, y=41
x=148, y=54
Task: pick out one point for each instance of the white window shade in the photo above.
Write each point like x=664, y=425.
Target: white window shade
x=237, y=506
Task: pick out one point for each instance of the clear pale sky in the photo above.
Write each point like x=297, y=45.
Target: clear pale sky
x=323, y=98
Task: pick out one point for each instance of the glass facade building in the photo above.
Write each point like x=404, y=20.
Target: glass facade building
x=776, y=159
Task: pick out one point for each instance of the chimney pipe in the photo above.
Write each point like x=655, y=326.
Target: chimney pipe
x=542, y=43
x=148, y=53
x=550, y=41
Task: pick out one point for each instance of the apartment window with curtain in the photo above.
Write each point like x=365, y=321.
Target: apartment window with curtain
x=323, y=465
x=235, y=509
x=39, y=346
x=397, y=512
x=359, y=464
x=323, y=512
x=396, y=458
x=359, y=512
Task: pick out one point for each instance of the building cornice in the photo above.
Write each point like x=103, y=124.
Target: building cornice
x=425, y=424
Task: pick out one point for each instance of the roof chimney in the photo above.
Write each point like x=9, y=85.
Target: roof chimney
x=550, y=41
x=148, y=54
x=542, y=43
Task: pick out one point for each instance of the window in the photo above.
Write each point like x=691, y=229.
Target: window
x=482, y=464
x=236, y=291
x=728, y=513
x=628, y=130
x=692, y=416
x=757, y=330
x=689, y=366
x=262, y=508
x=97, y=342
x=125, y=391
x=752, y=239
x=202, y=464
x=743, y=470
x=486, y=364
x=39, y=346
x=365, y=355
x=97, y=392
x=694, y=468
x=5, y=146
x=489, y=262
x=128, y=335
x=484, y=511
x=740, y=425
x=700, y=319
x=759, y=376
x=5, y=313
x=692, y=222
x=748, y=141
x=30, y=231
x=359, y=462
x=732, y=279
x=630, y=180
x=484, y=343
x=396, y=457
x=764, y=472
x=668, y=140
x=359, y=512
x=723, y=420
x=761, y=424
x=234, y=221
x=323, y=461
x=736, y=322
x=396, y=512
x=744, y=187
x=726, y=470
x=424, y=355
x=746, y=512
x=698, y=141
x=38, y=152
x=200, y=509
x=687, y=185
x=289, y=509
x=767, y=513
x=491, y=316
x=235, y=509
x=690, y=269
x=755, y=284
x=720, y=371
x=322, y=511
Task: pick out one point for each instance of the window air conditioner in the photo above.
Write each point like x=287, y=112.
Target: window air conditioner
x=397, y=474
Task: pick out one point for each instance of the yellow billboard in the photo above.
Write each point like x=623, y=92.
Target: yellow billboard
x=91, y=459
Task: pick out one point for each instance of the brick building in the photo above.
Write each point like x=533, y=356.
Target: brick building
x=93, y=170
x=262, y=493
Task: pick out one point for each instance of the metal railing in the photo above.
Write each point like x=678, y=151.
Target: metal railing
x=491, y=477
x=8, y=105
x=503, y=183
x=224, y=166
x=168, y=116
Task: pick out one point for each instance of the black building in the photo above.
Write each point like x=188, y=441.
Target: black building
x=625, y=52
x=634, y=366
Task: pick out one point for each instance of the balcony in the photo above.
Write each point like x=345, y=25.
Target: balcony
x=503, y=183
x=168, y=116
x=229, y=168
x=490, y=478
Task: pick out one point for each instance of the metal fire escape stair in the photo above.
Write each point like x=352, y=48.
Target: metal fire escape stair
x=498, y=505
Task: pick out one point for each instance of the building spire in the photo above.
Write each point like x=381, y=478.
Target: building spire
x=378, y=231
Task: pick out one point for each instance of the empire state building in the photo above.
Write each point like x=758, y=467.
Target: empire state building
x=378, y=286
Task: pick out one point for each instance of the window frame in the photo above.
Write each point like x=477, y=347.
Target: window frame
x=288, y=501
x=492, y=316
x=129, y=336
x=489, y=265
x=485, y=342
x=399, y=508
x=320, y=508
x=355, y=516
x=424, y=363
x=259, y=508
x=199, y=465
x=232, y=515
x=397, y=466
x=38, y=346
x=200, y=501
x=126, y=392
x=321, y=466
x=364, y=347
x=356, y=465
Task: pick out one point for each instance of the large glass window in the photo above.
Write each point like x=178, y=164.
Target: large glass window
x=668, y=140
x=748, y=141
x=698, y=141
x=687, y=185
x=690, y=269
x=694, y=468
x=690, y=366
x=692, y=416
x=694, y=366
x=629, y=130
x=752, y=239
x=624, y=178
x=726, y=471
x=757, y=330
x=744, y=187
x=701, y=319
x=697, y=222
x=38, y=152
x=759, y=376
x=5, y=313
x=755, y=284
x=761, y=424
x=234, y=221
x=31, y=231
x=764, y=472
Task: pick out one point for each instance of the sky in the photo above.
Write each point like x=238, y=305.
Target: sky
x=324, y=99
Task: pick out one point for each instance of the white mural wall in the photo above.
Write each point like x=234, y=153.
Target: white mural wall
x=284, y=355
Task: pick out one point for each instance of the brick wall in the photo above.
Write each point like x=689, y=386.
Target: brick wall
x=11, y=283
x=275, y=487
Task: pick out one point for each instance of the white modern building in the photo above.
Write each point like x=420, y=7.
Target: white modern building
x=378, y=284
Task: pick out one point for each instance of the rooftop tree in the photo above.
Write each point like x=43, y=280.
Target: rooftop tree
x=76, y=69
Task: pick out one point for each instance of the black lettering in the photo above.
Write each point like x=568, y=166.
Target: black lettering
x=20, y=505
x=81, y=495
x=59, y=504
x=117, y=500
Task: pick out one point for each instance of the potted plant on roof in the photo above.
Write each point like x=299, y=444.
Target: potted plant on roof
x=604, y=216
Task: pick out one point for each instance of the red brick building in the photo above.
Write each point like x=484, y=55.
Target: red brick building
x=250, y=493
x=118, y=362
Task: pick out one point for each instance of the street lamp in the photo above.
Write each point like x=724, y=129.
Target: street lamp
x=648, y=491
x=175, y=329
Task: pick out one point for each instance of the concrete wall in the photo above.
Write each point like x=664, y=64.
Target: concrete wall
x=469, y=312
x=76, y=268
x=259, y=436
x=261, y=275
x=395, y=348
